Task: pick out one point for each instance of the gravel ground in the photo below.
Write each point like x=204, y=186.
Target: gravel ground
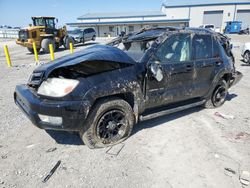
x=186, y=149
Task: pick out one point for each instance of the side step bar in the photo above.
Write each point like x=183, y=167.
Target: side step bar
x=170, y=111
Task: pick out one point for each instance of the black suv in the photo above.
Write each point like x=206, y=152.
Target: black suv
x=104, y=90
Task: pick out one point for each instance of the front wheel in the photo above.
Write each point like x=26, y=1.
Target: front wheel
x=218, y=96
x=246, y=57
x=109, y=122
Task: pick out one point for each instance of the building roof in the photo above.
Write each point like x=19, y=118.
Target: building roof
x=121, y=15
x=172, y=4
x=77, y=24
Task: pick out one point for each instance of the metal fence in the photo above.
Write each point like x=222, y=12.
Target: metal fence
x=9, y=33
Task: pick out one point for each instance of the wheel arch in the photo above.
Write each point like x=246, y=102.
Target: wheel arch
x=129, y=97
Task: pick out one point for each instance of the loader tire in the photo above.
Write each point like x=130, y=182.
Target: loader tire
x=45, y=44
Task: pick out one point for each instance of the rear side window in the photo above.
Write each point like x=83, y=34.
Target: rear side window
x=90, y=30
x=202, y=46
x=216, y=49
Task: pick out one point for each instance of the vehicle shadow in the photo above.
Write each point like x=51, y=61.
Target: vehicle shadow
x=66, y=138
x=163, y=119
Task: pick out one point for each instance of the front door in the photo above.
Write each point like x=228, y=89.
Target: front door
x=174, y=57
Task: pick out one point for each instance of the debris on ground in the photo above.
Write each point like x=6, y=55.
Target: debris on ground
x=31, y=145
x=230, y=170
x=245, y=178
x=224, y=116
x=115, y=150
x=4, y=156
x=51, y=172
x=51, y=150
x=242, y=136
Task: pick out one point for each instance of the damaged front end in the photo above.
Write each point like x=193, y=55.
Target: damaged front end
x=55, y=96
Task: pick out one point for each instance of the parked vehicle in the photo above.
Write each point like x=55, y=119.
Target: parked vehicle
x=43, y=32
x=104, y=90
x=245, y=52
x=233, y=27
x=83, y=35
x=244, y=32
x=211, y=27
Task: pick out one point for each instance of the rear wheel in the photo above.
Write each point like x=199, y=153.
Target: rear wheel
x=109, y=123
x=45, y=44
x=218, y=96
x=93, y=38
x=32, y=51
x=246, y=57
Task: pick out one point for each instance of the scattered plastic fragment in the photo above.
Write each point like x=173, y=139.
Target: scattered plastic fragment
x=51, y=150
x=224, y=116
x=216, y=156
x=31, y=146
x=115, y=150
x=4, y=156
x=245, y=178
x=51, y=172
x=230, y=170
x=242, y=135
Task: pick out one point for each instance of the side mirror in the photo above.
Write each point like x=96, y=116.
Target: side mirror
x=231, y=46
x=156, y=71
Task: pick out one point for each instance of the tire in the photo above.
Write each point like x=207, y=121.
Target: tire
x=218, y=96
x=57, y=45
x=45, y=44
x=109, y=122
x=67, y=41
x=32, y=51
x=93, y=38
x=246, y=57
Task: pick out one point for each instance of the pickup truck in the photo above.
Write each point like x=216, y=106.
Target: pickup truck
x=104, y=90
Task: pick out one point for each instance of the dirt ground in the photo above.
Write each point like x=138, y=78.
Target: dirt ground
x=193, y=148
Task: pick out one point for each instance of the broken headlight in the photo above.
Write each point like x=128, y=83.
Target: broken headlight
x=57, y=87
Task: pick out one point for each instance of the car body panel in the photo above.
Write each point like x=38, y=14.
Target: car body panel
x=104, y=71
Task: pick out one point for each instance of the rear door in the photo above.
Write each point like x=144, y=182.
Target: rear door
x=174, y=57
x=206, y=56
x=86, y=35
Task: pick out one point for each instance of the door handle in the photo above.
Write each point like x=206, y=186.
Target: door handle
x=189, y=67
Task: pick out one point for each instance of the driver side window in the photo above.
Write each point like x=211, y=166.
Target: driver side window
x=175, y=49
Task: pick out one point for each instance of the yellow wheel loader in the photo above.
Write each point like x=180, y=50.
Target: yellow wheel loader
x=43, y=32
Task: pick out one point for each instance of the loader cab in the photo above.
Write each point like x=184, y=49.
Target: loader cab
x=47, y=22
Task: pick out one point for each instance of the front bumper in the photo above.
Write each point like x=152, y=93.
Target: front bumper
x=27, y=43
x=236, y=78
x=72, y=112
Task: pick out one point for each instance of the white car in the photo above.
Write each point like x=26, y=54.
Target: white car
x=245, y=52
x=211, y=27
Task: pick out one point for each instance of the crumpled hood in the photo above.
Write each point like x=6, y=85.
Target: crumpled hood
x=94, y=53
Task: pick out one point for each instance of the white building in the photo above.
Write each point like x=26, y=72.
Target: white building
x=171, y=14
